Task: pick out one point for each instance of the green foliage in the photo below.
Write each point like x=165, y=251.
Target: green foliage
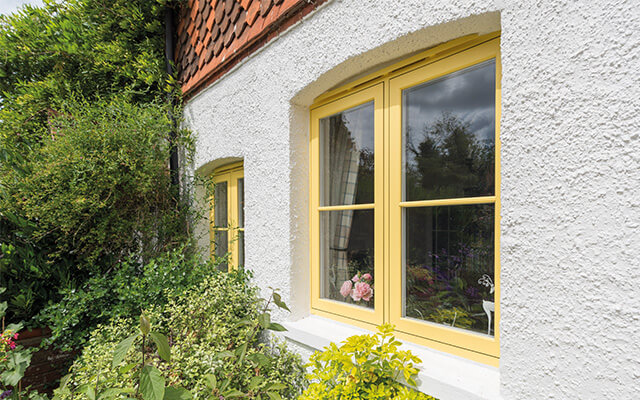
x=455, y=316
x=98, y=183
x=83, y=144
x=90, y=47
x=122, y=293
x=364, y=367
x=14, y=359
x=148, y=382
x=214, y=333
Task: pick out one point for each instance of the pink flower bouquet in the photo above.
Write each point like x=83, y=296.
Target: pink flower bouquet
x=360, y=287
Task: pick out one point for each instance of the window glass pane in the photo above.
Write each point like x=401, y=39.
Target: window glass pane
x=220, y=204
x=241, y=202
x=449, y=265
x=346, y=157
x=240, y=248
x=221, y=239
x=449, y=135
x=346, y=251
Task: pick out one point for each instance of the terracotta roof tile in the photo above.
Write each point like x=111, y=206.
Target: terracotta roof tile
x=225, y=24
x=288, y=4
x=235, y=13
x=272, y=16
x=194, y=9
x=228, y=37
x=217, y=47
x=228, y=6
x=207, y=10
x=241, y=24
x=265, y=6
x=219, y=11
x=213, y=35
x=210, y=22
x=252, y=12
x=209, y=55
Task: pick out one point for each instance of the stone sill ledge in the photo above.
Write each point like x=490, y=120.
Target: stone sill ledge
x=441, y=375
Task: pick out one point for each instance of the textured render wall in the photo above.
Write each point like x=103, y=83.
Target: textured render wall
x=570, y=155
x=571, y=200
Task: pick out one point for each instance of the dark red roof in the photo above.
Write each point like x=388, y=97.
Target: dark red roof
x=213, y=35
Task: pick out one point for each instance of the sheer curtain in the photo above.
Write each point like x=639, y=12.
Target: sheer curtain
x=342, y=162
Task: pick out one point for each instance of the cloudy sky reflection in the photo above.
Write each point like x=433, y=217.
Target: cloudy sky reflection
x=468, y=94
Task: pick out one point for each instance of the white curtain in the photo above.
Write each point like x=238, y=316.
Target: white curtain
x=341, y=162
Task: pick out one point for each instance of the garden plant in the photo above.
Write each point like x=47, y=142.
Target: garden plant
x=366, y=367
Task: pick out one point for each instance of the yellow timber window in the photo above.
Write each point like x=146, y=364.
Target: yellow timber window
x=405, y=199
x=227, y=215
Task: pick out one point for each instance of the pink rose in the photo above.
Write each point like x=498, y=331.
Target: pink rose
x=355, y=278
x=345, y=290
x=363, y=291
x=367, y=277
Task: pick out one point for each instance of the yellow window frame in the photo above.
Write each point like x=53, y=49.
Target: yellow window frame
x=385, y=87
x=230, y=174
x=375, y=94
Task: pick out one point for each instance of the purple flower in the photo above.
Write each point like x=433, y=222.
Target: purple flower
x=5, y=394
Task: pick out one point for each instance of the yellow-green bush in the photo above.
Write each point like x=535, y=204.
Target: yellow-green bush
x=364, y=367
x=202, y=327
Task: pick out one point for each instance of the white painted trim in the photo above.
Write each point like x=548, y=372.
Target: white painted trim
x=442, y=375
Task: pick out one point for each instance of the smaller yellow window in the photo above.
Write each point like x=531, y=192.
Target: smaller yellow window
x=227, y=216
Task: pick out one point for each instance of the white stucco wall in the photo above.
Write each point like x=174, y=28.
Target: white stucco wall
x=570, y=169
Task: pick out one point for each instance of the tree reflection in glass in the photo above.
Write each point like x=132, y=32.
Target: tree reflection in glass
x=449, y=135
x=449, y=153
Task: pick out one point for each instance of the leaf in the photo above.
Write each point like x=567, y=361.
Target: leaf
x=223, y=354
x=274, y=396
x=210, y=381
x=162, y=344
x=113, y=392
x=233, y=393
x=278, y=300
x=276, y=327
x=3, y=308
x=127, y=368
x=264, y=320
x=277, y=386
x=145, y=325
x=87, y=390
x=177, y=393
x=15, y=327
x=121, y=350
x=151, y=383
x=242, y=322
x=240, y=352
x=259, y=359
x=64, y=381
x=14, y=367
x=255, y=382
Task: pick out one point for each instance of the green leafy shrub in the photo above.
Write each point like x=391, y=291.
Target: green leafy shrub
x=83, y=183
x=149, y=383
x=121, y=293
x=364, y=367
x=215, y=347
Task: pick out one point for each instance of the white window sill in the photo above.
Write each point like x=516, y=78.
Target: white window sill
x=442, y=375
